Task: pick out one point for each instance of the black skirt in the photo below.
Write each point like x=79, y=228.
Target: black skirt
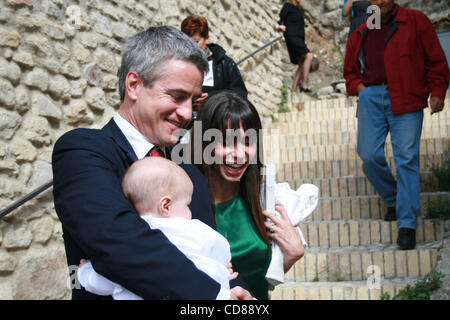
x=296, y=47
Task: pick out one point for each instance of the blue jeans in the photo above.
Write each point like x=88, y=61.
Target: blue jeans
x=375, y=120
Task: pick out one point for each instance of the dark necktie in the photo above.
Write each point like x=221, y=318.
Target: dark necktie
x=155, y=152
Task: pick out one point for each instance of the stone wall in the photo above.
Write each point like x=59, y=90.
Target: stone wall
x=58, y=71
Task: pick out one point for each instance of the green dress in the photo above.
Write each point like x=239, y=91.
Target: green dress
x=250, y=255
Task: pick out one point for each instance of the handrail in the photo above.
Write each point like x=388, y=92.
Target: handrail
x=258, y=50
x=25, y=198
x=47, y=185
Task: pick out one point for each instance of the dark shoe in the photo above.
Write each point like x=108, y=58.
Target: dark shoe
x=391, y=215
x=305, y=90
x=406, y=239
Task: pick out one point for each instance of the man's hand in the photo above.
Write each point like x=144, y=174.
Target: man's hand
x=360, y=87
x=436, y=105
x=238, y=293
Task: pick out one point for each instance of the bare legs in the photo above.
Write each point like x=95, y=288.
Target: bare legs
x=302, y=73
x=306, y=67
x=297, y=77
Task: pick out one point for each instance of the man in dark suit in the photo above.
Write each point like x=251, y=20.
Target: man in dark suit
x=160, y=77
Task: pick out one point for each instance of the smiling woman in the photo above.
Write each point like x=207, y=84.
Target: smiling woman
x=235, y=181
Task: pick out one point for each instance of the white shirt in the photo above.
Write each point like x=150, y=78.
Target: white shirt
x=141, y=146
x=205, y=247
x=208, y=79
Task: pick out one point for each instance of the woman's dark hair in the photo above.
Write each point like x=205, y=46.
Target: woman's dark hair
x=228, y=110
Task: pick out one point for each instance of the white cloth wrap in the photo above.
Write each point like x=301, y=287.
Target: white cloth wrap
x=299, y=204
x=206, y=248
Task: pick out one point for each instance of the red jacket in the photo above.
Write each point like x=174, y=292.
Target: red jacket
x=413, y=57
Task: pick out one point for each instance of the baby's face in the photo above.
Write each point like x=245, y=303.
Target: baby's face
x=182, y=199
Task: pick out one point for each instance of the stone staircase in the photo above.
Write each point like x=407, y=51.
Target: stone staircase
x=352, y=253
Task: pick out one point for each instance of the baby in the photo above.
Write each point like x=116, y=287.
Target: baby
x=161, y=192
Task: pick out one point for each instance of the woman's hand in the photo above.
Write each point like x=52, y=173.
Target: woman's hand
x=281, y=28
x=285, y=235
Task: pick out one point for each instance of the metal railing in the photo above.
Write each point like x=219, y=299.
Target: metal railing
x=47, y=185
x=25, y=198
x=259, y=49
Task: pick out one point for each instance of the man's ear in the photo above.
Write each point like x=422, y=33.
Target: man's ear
x=132, y=82
x=164, y=206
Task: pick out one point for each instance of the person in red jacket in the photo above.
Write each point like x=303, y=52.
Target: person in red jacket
x=394, y=69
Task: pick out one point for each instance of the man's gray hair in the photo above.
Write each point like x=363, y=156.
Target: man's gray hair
x=148, y=51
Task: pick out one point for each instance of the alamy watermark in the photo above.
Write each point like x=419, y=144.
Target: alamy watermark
x=72, y=280
x=374, y=280
x=200, y=147
x=374, y=20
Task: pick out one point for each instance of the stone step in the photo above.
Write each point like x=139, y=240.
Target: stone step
x=436, y=126
x=361, y=207
x=292, y=171
x=365, y=232
x=318, y=109
x=354, y=263
x=305, y=126
x=318, y=136
x=355, y=186
x=342, y=290
x=277, y=155
x=336, y=109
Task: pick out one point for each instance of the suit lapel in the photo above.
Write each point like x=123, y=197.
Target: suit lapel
x=112, y=130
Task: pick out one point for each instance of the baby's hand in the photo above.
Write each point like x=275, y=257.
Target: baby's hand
x=82, y=261
x=233, y=275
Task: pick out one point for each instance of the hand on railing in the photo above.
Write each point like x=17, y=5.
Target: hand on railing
x=281, y=28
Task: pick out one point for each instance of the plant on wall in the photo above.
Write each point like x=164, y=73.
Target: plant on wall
x=282, y=106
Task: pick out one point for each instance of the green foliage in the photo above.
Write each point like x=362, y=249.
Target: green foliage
x=440, y=180
x=442, y=173
x=385, y=296
x=421, y=290
x=439, y=208
x=282, y=107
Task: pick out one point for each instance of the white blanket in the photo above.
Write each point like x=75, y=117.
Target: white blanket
x=206, y=248
x=299, y=204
